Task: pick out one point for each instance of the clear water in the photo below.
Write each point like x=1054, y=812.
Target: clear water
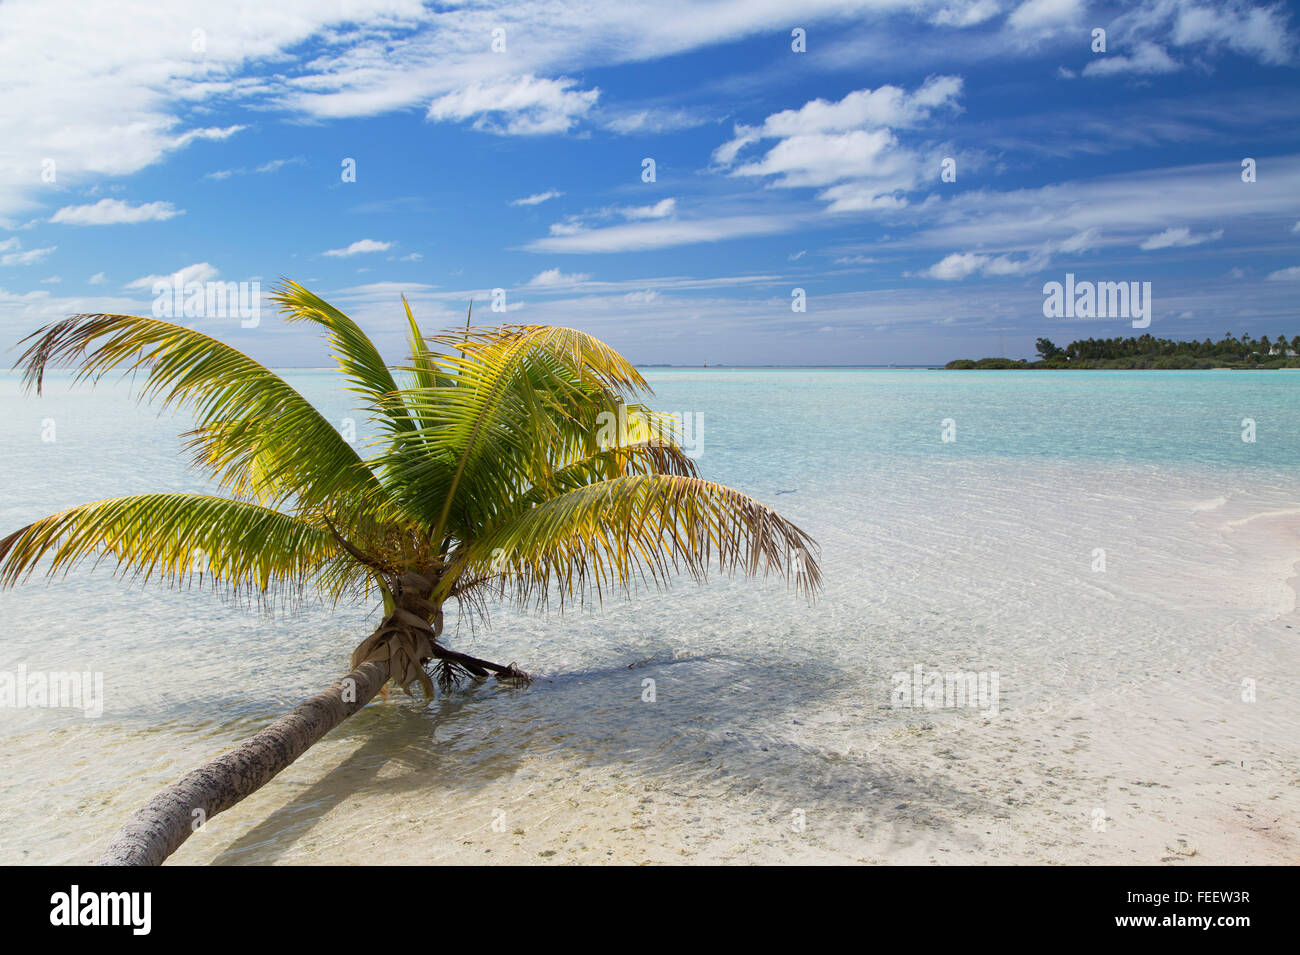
x=976, y=554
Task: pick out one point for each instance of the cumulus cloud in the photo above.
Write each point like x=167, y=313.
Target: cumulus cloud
x=16, y=257
x=198, y=272
x=111, y=91
x=520, y=106
x=961, y=265
x=956, y=266
x=552, y=278
x=1257, y=31
x=116, y=212
x=848, y=147
x=1147, y=58
x=359, y=247
x=1040, y=15
x=662, y=208
x=967, y=13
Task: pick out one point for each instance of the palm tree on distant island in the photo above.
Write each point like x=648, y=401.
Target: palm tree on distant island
x=495, y=474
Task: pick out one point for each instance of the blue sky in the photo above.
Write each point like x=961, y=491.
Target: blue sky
x=209, y=139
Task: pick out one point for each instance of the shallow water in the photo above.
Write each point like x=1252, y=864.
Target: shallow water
x=978, y=554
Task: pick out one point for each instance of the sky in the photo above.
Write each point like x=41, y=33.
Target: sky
x=757, y=182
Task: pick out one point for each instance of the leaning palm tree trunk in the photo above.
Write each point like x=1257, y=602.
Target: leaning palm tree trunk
x=157, y=830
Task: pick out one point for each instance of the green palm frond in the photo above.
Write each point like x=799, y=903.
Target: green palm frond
x=647, y=457
x=355, y=353
x=255, y=433
x=173, y=537
x=516, y=404
x=614, y=534
x=423, y=370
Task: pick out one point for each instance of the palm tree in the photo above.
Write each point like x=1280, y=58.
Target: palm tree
x=496, y=474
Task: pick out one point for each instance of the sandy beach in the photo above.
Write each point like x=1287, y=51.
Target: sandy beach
x=1110, y=745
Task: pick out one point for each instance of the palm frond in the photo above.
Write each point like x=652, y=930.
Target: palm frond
x=355, y=353
x=516, y=404
x=638, y=528
x=173, y=537
x=254, y=432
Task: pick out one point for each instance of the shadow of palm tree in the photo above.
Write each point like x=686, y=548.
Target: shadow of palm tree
x=717, y=725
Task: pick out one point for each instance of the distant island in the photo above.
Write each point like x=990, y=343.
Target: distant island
x=1153, y=353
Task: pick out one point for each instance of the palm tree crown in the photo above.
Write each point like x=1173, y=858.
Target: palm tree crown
x=490, y=476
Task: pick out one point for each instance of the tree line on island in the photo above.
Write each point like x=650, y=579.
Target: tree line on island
x=1147, y=351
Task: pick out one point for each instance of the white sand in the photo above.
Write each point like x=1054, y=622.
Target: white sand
x=1121, y=735
x=1166, y=767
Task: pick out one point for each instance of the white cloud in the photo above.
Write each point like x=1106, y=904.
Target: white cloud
x=275, y=165
x=1130, y=207
x=847, y=147
x=647, y=121
x=885, y=106
x=30, y=257
x=116, y=212
x=1286, y=274
x=1147, y=59
x=1178, y=237
x=536, y=198
x=663, y=233
x=519, y=106
x=552, y=278
x=198, y=272
x=359, y=247
x=1083, y=241
x=961, y=265
x=99, y=278
x=1045, y=14
x=107, y=91
x=660, y=210
x=575, y=225
x=1250, y=30
x=967, y=13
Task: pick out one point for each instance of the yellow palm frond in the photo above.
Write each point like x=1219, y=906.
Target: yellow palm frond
x=613, y=534
x=173, y=537
x=512, y=405
x=355, y=353
x=254, y=432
